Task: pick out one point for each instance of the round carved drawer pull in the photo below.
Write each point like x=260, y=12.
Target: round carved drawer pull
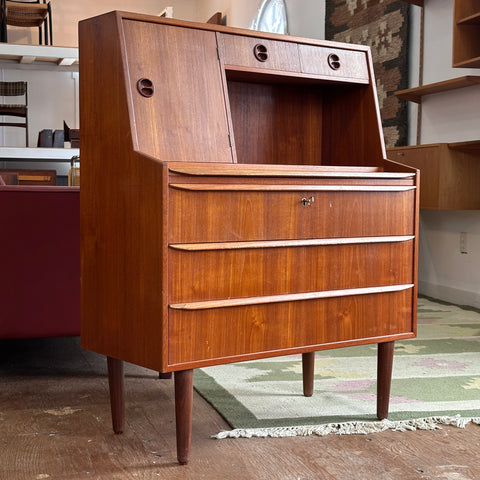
x=146, y=87
x=334, y=61
x=261, y=53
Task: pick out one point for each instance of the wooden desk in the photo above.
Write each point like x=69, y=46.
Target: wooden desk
x=236, y=203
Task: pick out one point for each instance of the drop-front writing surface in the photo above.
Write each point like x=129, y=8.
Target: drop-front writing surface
x=236, y=199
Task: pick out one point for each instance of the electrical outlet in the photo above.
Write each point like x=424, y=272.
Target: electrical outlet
x=463, y=243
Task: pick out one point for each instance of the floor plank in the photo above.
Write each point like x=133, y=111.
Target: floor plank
x=55, y=424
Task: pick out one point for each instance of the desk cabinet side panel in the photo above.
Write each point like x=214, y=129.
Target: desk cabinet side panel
x=123, y=255
x=121, y=211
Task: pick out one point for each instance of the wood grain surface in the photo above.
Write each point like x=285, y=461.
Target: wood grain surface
x=56, y=425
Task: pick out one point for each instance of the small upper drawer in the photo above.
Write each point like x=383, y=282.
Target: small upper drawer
x=334, y=62
x=259, y=53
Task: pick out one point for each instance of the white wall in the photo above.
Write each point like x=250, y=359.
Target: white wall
x=306, y=17
x=67, y=13
x=53, y=95
x=444, y=272
x=51, y=99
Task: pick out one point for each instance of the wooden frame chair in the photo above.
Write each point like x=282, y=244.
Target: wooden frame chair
x=15, y=89
x=27, y=14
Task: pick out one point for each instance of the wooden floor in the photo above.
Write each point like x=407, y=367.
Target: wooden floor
x=55, y=424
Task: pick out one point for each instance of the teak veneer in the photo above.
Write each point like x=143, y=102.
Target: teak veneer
x=236, y=203
x=452, y=170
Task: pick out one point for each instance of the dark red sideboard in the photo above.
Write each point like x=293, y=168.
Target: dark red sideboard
x=40, y=261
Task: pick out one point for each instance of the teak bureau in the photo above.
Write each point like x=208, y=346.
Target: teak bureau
x=236, y=203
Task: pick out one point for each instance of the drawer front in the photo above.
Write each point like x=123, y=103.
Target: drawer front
x=259, y=53
x=232, y=334
x=334, y=62
x=221, y=216
x=224, y=272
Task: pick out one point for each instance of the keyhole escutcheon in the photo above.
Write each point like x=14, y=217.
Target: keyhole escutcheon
x=307, y=202
x=334, y=61
x=145, y=87
x=261, y=53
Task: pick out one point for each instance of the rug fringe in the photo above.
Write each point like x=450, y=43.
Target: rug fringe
x=350, y=428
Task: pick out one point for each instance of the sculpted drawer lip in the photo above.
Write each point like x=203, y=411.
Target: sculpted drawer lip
x=292, y=297
x=287, y=243
x=290, y=187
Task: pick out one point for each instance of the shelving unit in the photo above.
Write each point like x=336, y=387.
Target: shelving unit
x=466, y=34
x=44, y=58
x=449, y=171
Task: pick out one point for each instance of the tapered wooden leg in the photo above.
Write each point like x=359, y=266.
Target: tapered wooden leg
x=117, y=396
x=384, y=377
x=183, y=413
x=308, y=367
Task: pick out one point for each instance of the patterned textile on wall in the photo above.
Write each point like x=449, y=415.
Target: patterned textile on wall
x=382, y=25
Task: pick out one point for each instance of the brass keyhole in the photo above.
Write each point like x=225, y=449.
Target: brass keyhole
x=307, y=202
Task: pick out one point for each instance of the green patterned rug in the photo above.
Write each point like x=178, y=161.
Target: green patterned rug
x=436, y=379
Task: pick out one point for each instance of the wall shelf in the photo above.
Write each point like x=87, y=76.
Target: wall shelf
x=416, y=94
x=39, y=57
x=470, y=20
x=470, y=146
x=42, y=154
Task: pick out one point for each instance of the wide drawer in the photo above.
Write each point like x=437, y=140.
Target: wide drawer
x=201, y=272
x=221, y=213
x=201, y=337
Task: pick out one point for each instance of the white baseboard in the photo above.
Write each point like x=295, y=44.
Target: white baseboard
x=449, y=294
